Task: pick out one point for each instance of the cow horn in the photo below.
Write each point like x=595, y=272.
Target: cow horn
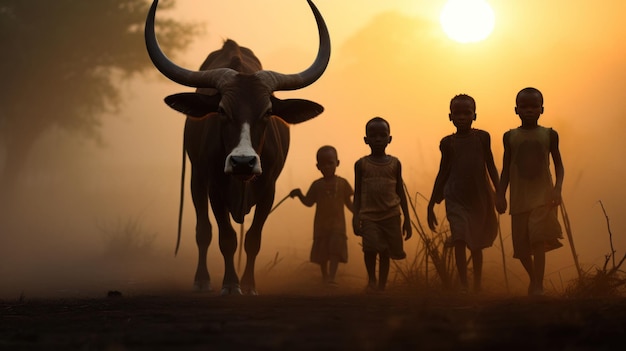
x=279, y=81
x=196, y=79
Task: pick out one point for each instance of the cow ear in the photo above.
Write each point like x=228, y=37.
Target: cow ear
x=193, y=104
x=295, y=111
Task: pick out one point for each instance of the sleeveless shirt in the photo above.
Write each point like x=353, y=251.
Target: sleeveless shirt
x=468, y=181
x=531, y=180
x=379, y=199
x=468, y=191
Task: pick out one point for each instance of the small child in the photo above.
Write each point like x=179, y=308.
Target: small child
x=535, y=228
x=379, y=201
x=465, y=171
x=330, y=193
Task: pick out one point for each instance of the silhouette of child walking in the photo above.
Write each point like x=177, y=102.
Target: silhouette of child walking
x=379, y=202
x=535, y=228
x=330, y=194
x=466, y=174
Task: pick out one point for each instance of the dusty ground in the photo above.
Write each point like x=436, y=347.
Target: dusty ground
x=395, y=320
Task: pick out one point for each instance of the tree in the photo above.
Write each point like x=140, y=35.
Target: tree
x=59, y=64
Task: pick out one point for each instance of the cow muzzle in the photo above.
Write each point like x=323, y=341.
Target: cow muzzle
x=243, y=166
x=243, y=160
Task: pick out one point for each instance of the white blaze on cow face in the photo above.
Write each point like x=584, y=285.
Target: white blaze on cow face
x=243, y=151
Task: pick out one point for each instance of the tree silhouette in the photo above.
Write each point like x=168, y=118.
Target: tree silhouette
x=60, y=63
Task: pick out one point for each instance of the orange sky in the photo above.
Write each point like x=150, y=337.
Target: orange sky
x=390, y=58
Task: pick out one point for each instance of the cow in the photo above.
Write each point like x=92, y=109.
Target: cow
x=236, y=137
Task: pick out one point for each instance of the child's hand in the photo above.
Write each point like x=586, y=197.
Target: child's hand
x=407, y=230
x=295, y=192
x=556, y=197
x=356, y=225
x=432, y=219
x=501, y=204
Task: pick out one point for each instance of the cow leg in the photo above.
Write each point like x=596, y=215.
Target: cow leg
x=228, y=246
x=252, y=243
x=202, y=280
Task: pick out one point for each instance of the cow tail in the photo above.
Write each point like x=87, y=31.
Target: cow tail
x=182, y=197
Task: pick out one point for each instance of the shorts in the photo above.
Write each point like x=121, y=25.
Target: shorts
x=384, y=236
x=477, y=227
x=537, y=227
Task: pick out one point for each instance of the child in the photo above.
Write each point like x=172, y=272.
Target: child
x=330, y=193
x=379, y=200
x=534, y=198
x=465, y=170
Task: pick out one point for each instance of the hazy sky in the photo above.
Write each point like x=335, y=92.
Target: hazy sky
x=390, y=59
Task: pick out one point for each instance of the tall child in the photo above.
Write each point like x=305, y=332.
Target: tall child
x=330, y=194
x=379, y=203
x=466, y=174
x=534, y=197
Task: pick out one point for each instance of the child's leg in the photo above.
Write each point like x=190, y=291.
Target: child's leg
x=324, y=270
x=522, y=249
x=539, y=267
x=461, y=262
x=383, y=271
x=477, y=266
x=370, y=265
x=332, y=267
x=527, y=262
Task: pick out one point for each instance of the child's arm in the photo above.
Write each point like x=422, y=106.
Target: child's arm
x=491, y=165
x=406, y=226
x=356, y=206
x=501, y=204
x=559, y=170
x=349, y=204
x=348, y=197
x=440, y=181
x=307, y=200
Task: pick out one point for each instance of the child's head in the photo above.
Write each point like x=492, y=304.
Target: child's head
x=377, y=134
x=529, y=106
x=462, y=112
x=327, y=160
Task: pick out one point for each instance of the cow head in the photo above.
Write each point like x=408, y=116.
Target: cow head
x=243, y=100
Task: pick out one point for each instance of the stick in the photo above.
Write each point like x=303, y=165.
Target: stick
x=608, y=226
x=241, y=233
x=506, y=278
x=570, y=237
x=279, y=203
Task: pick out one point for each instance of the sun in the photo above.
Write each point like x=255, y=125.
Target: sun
x=467, y=21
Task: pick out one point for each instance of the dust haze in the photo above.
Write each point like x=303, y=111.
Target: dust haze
x=92, y=219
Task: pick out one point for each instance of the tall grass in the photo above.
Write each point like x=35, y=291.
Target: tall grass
x=605, y=281
x=433, y=264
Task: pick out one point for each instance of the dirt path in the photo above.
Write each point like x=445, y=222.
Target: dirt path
x=390, y=321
